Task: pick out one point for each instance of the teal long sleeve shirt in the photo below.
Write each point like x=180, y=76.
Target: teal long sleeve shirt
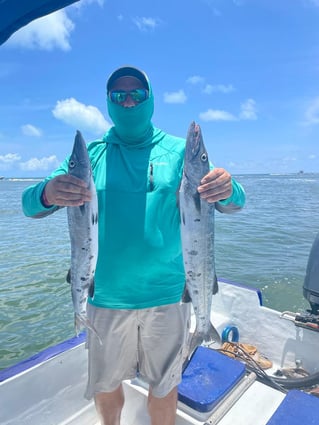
x=140, y=261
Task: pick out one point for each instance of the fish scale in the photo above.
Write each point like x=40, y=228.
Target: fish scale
x=197, y=233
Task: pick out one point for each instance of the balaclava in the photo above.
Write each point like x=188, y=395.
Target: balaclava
x=133, y=125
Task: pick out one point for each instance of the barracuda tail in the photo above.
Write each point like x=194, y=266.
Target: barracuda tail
x=212, y=335
x=198, y=338
x=83, y=322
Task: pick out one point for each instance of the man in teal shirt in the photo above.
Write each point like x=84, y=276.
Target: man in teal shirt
x=139, y=277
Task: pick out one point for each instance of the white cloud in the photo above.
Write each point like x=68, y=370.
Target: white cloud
x=43, y=164
x=6, y=161
x=209, y=88
x=10, y=157
x=217, y=115
x=46, y=33
x=312, y=112
x=80, y=116
x=175, y=97
x=146, y=24
x=12, y=160
x=248, y=110
x=195, y=79
x=31, y=130
x=82, y=3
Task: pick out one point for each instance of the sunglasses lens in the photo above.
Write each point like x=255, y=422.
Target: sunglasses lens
x=139, y=95
x=120, y=96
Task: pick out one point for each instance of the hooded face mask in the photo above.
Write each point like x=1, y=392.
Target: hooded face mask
x=132, y=125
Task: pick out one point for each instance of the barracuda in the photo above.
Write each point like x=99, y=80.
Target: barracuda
x=83, y=229
x=197, y=232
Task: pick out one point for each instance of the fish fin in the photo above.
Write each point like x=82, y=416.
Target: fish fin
x=212, y=334
x=91, y=288
x=186, y=361
x=195, y=341
x=186, y=298
x=80, y=322
x=215, y=285
x=68, y=276
x=94, y=218
x=198, y=338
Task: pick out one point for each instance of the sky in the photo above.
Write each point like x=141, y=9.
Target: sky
x=247, y=71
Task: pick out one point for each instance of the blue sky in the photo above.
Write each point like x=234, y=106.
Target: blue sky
x=247, y=71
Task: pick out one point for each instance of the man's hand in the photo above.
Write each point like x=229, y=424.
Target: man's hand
x=66, y=191
x=216, y=185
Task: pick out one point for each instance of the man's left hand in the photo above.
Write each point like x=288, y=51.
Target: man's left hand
x=216, y=185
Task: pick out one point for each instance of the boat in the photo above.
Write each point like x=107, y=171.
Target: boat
x=224, y=384
x=268, y=374
x=219, y=386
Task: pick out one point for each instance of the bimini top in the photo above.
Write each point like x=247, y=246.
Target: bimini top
x=14, y=14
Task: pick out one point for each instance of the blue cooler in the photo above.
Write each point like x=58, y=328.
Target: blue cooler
x=207, y=379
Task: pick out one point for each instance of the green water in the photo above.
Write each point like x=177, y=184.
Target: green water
x=266, y=246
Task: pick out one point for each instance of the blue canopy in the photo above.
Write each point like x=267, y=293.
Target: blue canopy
x=14, y=14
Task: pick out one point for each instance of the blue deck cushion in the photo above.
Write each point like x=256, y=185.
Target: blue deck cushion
x=297, y=408
x=208, y=377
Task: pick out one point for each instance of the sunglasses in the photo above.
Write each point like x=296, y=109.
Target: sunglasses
x=120, y=96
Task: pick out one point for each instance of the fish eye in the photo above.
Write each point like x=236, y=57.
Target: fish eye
x=71, y=163
x=204, y=157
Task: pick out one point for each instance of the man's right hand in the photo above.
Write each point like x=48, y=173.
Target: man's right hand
x=66, y=191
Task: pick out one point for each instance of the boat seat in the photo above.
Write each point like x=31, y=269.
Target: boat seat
x=296, y=408
x=208, y=378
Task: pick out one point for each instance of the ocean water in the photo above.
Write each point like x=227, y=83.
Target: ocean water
x=266, y=246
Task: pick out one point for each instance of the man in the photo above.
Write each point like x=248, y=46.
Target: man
x=139, y=277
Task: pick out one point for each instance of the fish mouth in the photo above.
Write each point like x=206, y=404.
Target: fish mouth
x=196, y=140
x=193, y=146
x=193, y=137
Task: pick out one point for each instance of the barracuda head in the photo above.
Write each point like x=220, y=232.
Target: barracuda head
x=79, y=162
x=196, y=163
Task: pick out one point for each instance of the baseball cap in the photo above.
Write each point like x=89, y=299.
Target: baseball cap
x=127, y=71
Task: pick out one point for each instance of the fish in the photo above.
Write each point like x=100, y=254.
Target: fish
x=83, y=231
x=197, y=236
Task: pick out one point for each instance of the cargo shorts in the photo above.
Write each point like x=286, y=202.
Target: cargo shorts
x=149, y=343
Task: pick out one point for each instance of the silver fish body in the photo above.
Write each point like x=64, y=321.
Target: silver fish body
x=83, y=230
x=197, y=233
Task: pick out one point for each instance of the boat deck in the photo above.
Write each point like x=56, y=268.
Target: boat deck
x=255, y=407
x=254, y=404
x=49, y=389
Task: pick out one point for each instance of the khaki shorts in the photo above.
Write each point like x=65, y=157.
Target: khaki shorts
x=149, y=343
